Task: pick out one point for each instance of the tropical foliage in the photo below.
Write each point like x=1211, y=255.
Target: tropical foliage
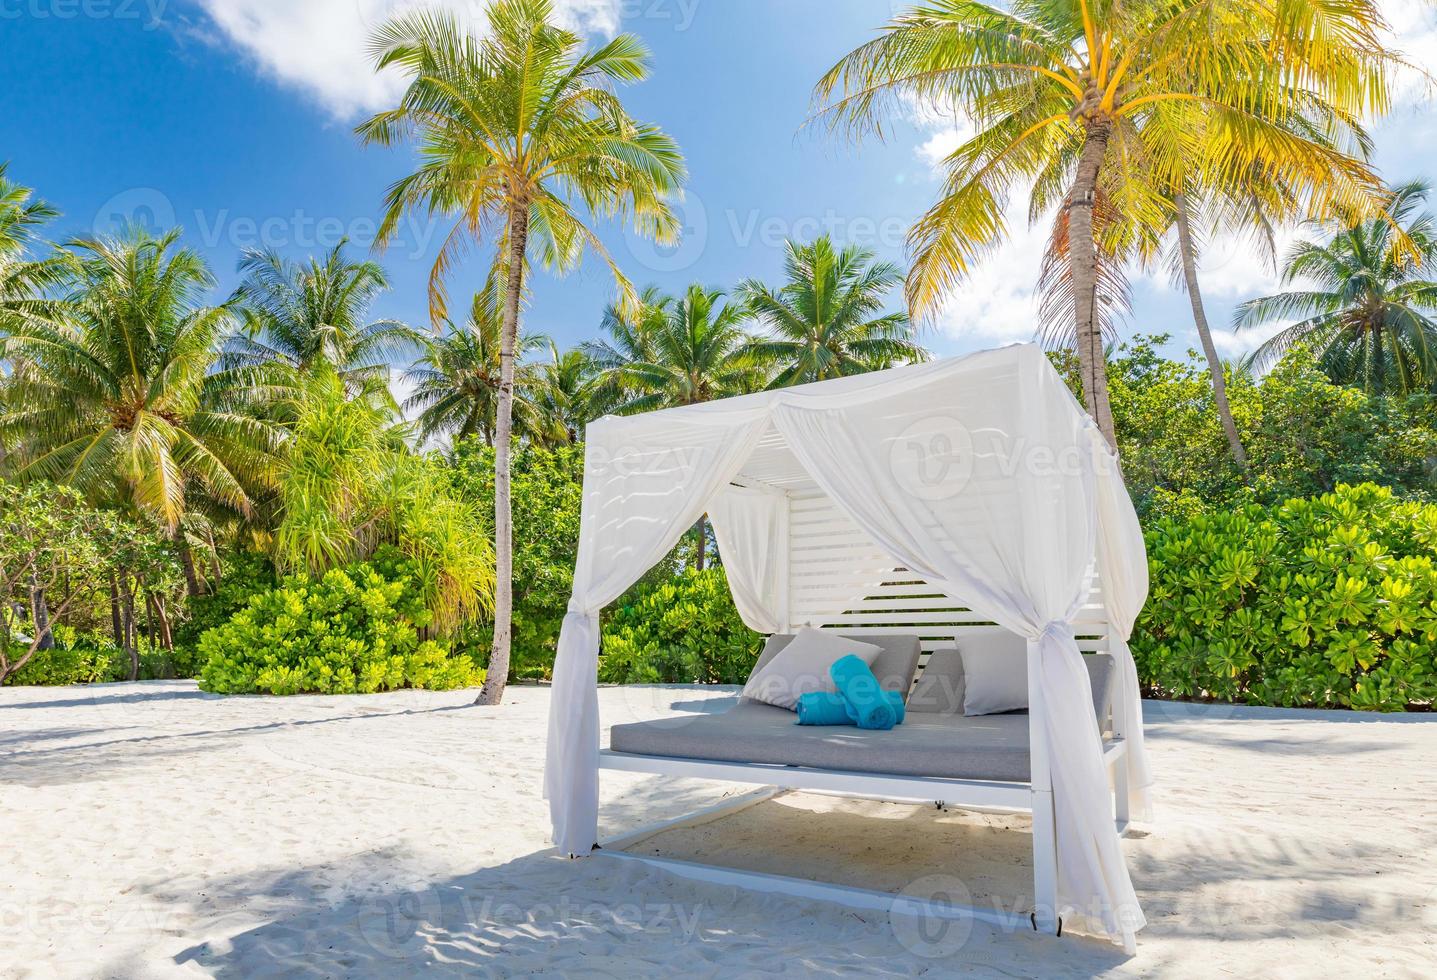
x=696, y=347
x=684, y=630
x=1106, y=112
x=350, y=486
x=354, y=630
x=308, y=315
x=1328, y=601
x=1368, y=316
x=522, y=136
x=828, y=319
x=1304, y=434
x=458, y=376
x=118, y=398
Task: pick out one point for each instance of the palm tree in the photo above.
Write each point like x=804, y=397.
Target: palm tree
x=699, y=351
x=561, y=397
x=631, y=330
x=316, y=312
x=457, y=379
x=1367, y=316
x=826, y=321
x=520, y=134
x=119, y=399
x=1092, y=106
x=24, y=283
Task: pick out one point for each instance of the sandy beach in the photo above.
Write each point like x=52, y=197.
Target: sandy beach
x=151, y=830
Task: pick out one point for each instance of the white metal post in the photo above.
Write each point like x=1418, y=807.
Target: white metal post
x=1122, y=812
x=1045, y=843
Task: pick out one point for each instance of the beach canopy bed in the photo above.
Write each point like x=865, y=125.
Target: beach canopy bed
x=905, y=506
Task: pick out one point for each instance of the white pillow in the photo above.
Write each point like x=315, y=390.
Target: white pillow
x=995, y=670
x=802, y=667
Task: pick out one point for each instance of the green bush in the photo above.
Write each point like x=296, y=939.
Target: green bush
x=1324, y=601
x=74, y=659
x=685, y=630
x=354, y=631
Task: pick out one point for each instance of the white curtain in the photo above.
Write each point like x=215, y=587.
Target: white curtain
x=1123, y=570
x=751, y=528
x=646, y=481
x=981, y=475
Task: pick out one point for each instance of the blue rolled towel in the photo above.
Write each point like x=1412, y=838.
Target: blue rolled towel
x=829, y=708
x=868, y=704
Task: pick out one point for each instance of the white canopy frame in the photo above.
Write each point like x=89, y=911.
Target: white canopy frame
x=984, y=479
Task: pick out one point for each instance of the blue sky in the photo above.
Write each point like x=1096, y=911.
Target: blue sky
x=233, y=118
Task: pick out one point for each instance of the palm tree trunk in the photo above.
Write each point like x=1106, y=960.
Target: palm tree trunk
x=702, y=528
x=1082, y=256
x=1214, y=365
x=498, y=674
x=187, y=562
x=216, y=570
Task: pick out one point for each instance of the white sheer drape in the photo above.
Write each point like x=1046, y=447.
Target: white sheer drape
x=645, y=483
x=980, y=475
x=1123, y=570
x=751, y=528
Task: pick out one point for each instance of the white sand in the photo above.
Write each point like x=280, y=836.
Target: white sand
x=150, y=830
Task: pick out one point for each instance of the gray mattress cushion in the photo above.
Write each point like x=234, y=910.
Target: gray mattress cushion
x=940, y=687
x=937, y=745
x=894, y=667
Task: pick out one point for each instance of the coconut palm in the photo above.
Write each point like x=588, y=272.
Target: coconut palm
x=1093, y=106
x=521, y=136
x=561, y=397
x=119, y=399
x=457, y=379
x=630, y=331
x=827, y=320
x=698, y=351
x=24, y=282
x=304, y=314
x=1369, y=314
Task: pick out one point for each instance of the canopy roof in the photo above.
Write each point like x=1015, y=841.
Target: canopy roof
x=981, y=474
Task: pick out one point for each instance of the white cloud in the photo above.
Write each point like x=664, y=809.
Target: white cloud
x=320, y=47
x=1231, y=344
x=1413, y=31
x=996, y=303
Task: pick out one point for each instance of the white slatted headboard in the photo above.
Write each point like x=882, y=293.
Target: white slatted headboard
x=831, y=554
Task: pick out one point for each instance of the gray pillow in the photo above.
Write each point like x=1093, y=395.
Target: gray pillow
x=941, y=687
x=894, y=666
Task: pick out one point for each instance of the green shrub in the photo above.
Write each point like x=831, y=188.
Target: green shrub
x=354, y=631
x=685, y=630
x=245, y=575
x=74, y=659
x=1323, y=601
